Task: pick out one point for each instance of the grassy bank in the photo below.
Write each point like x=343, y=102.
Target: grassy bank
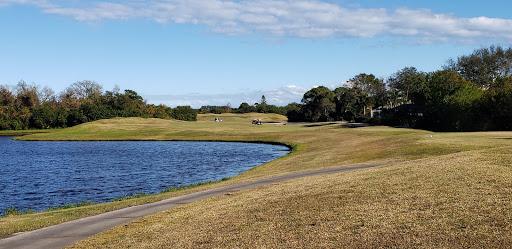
x=22, y=132
x=449, y=189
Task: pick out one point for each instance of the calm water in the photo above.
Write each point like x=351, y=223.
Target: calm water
x=38, y=175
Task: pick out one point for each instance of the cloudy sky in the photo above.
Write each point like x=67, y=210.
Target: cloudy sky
x=200, y=52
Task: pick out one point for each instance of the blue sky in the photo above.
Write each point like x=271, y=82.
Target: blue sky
x=215, y=52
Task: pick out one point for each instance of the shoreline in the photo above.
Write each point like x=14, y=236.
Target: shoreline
x=175, y=185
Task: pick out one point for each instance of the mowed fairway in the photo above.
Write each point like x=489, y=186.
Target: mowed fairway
x=447, y=189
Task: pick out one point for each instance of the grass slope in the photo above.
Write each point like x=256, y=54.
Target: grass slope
x=450, y=189
x=454, y=201
x=22, y=132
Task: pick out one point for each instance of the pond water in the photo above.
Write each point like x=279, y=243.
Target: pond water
x=39, y=175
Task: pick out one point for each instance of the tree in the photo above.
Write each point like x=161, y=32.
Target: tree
x=163, y=112
x=84, y=89
x=184, y=113
x=318, y=104
x=404, y=83
x=263, y=100
x=80, y=92
x=47, y=95
x=350, y=103
x=75, y=117
x=6, y=96
x=82, y=102
x=276, y=109
x=227, y=108
x=245, y=108
x=262, y=106
x=27, y=96
x=129, y=104
x=294, y=112
x=371, y=88
x=485, y=66
x=368, y=83
x=43, y=118
x=448, y=101
x=495, y=110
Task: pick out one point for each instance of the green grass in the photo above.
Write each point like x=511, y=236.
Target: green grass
x=71, y=205
x=15, y=211
x=22, y=132
x=449, y=189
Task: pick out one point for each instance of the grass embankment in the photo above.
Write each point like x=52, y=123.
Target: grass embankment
x=23, y=132
x=450, y=189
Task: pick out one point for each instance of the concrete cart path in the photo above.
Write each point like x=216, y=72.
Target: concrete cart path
x=67, y=233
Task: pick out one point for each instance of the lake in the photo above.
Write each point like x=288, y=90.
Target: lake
x=39, y=175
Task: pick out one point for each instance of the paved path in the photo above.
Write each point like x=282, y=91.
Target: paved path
x=70, y=232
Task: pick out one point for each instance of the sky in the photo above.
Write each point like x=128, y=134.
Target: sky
x=218, y=52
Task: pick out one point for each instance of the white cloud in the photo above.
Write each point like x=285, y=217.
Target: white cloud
x=280, y=97
x=286, y=18
x=100, y=11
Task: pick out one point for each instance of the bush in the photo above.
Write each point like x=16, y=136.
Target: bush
x=184, y=113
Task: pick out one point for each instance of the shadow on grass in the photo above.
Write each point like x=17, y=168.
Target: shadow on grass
x=353, y=125
x=319, y=125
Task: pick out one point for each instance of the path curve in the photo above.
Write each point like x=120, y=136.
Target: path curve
x=67, y=233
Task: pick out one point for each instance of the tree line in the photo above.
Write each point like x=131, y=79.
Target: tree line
x=470, y=93
x=27, y=106
x=244, y=107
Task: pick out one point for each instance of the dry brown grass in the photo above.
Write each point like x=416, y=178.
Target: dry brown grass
x=454, y=201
